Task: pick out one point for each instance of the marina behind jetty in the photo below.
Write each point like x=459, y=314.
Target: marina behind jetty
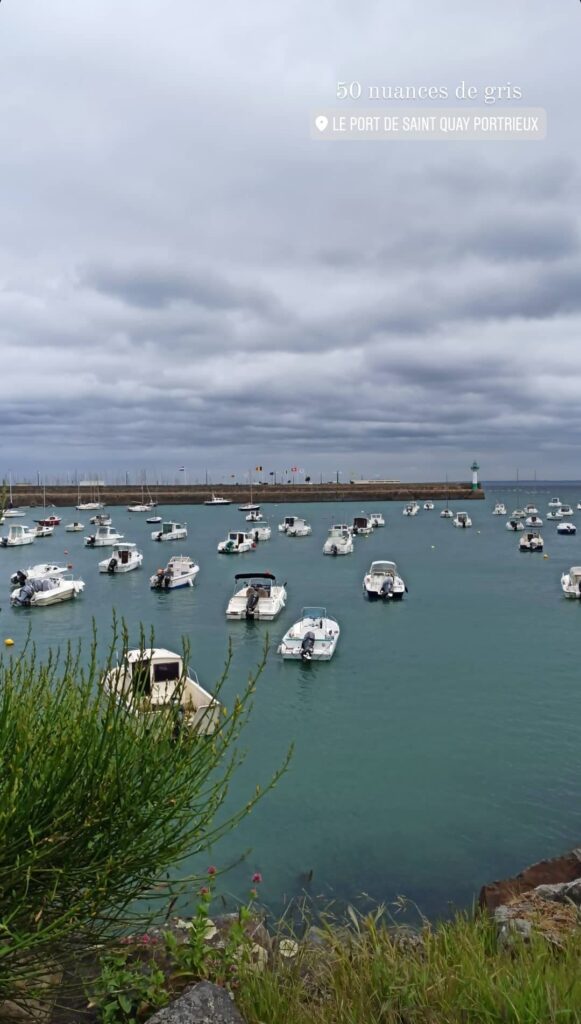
x=197, y=494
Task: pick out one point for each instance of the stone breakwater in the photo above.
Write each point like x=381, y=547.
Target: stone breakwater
x=197, y=494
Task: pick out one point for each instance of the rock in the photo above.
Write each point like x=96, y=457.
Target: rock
x=547, y=872
x=202, y=1004
x=531, y=913
x=562, y=892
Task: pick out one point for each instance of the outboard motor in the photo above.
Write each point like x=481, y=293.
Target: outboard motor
x=166, y=580
x=334, y=551
x=18, y=578
x=252, y=598
x=91, y=541
x=112, y=565
x=387, y=587
x=307, y=646
x=25, y=594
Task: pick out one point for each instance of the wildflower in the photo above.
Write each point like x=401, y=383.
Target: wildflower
x=212, y=870
x=257, y=877
x=204, y=890
x=253, y=894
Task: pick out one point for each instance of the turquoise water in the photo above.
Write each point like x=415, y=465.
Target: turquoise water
x=440, y=747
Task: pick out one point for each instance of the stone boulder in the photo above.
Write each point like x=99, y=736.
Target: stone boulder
x=202, y=1004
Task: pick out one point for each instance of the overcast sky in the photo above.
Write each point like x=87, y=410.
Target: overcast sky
x=188, y=278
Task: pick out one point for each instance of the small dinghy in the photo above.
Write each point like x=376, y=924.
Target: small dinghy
x=45, y=590
x=124, y=558
x=384, y=581
x=259, y=597
x=154, y=680
x=153, y=519
x=180, y=571
x=532, y=541
x=313, y=638
x=567, y=529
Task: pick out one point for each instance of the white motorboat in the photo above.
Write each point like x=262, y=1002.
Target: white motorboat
x=531, y=510
x=38, y=592
x=566, y=510
x=89, y=506
x=429, y=506
x=571, y=582
x=254, y=516
x=446, y=513
x=362, y=526
x=531, y=541
x=376, y=519
x=17, y=536
x=170, y=531
x=75, y=528
x=124, y=558
x=260, y=532
x=217, y=500
x=103, y=537
x=37, y=572
x=180, y=571
x=519, y=513
x=555, y=503
x=462, y=519
x=153, y=519
x=555, y=514
x=300, y=528
x=44, y=531
x=383, y=580
x=12, y=513
x=259, y=597
x=411, y=509
x=236, y=543
x=339, y=541
x=499, y=509
x=567, y=529
x=139, y=507
x=534, y=520
x=287, y=521
x=515, y=524
x=102, y=519
x=153, y=680
x=313, y=638
x=579, y=506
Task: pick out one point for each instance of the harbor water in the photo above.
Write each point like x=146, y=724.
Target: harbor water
x=439, y=749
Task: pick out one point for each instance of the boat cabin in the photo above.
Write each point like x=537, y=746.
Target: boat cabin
x=124, y=552
x=383, y=569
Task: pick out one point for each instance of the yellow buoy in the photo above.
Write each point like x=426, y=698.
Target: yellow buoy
x=545, y=556
x=8, y=642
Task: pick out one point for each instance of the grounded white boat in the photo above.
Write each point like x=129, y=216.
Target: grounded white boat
x=566, y=510
x=446, y=513
x=38, y=592
x=19, y=578
x=103, y=537
x=300, y=528
x=74, y=528
x=170, y=531
x=499, y=509
x=555, y=503
x=383, y=580
x=515, y=524
x=287, y=521
x=429, y=506
x=534, y=520
x=124, y=558
x=376, y=519
x=260, y=532
x=102, y=519
x=254, y=517
x=531, y=541
x=259, y=597
x=217, y=500
x=151, y=680
x=313, y=638
x=44, y=531
x=236, y=543
x=362, y=526
x=531, y=510
x=555, y=514
x=411, y=509
x=339, y=541
x=180, y=571
x=571, y=582
x=17, y=536
x=567, y=529
x=462, y=519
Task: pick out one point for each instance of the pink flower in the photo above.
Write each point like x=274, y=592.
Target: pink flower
x=257, y=877
x=204, y=890
x=212, y=870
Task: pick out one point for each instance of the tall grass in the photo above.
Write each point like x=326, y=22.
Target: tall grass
x=96, y=804
x=457, y=974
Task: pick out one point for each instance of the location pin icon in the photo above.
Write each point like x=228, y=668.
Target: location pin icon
x=321, y=122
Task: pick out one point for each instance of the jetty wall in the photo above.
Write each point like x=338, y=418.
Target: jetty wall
x=196, y=494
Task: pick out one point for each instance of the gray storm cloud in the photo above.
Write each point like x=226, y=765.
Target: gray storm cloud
x=172, y=239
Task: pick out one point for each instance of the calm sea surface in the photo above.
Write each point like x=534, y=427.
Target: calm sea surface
x=438, y=750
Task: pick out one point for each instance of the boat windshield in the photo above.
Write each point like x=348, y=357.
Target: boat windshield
x=166, y=671
x=317, y=613
x=383, y=567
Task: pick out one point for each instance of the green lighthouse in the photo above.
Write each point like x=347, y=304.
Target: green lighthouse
x=475, y=467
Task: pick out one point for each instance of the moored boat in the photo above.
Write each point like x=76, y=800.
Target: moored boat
x=75, y=528
x=313, y=638
x=18, y=578
x=567, y=529
x=515, y=524
x=531, y=541
x=44, y=531
x=411, y=509
x=180, y=571
x=236, y=543
x=300, y=528
x=103, y=537
x=339, y=541
x=217, y=500
x=261, y=531
x=258, y=597
x=362, y=526
x=383, y=580
x=39, y=592
x=462, y=519
x=534, y=521
x=429, y=506
x=170, y=531
x=124, y=558
x=376, y=519
x=17, y=536
x=499, y=509
x=571, y=582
